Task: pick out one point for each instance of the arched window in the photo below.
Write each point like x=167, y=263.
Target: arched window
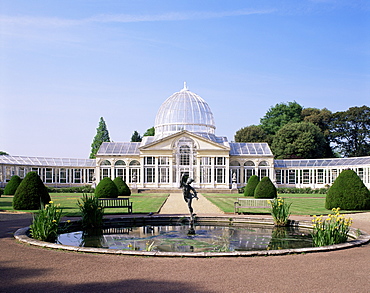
x=249, y=170
x=263, y=170
x=134, y=171
x=134, y=163
x=105, y=169
x=234, y=163
x=120, y=169
x=105, y=163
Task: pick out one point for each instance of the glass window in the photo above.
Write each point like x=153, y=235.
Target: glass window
x=205, y=161
x=164, y=175
x=279, y=176
x=134, y=163
x=163, y=161
x=220, y=161
x=120, y=163
x=149, y=161
x=149, y=175
x=220, y=175
x=205, y=175
x=105, y=163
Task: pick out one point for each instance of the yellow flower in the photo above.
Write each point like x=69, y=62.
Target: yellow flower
x=54, y=221
x=51, y=201
x=68, y=221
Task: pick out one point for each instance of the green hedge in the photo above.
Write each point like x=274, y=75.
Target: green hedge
x=31, y=193
x=265, y=189
x=305, y=190
x=12, y=185
x=106, y=189
x=251, y=185
x=79, y=189
x=123, y=189
x=348, y=192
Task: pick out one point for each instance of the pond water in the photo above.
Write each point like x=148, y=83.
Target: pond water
x=188, y=238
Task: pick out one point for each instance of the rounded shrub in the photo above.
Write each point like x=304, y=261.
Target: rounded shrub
x=265, y=189
x=348, y=192
x=12, y=185
x=31, y=193
x=106, y=189
x=251, y=185
x=123, y=189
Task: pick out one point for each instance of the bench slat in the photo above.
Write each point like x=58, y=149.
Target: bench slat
x=116, y=203
x=251, y=203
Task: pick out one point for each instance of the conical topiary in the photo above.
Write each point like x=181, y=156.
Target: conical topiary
x=265, y=189
x=12, y=185
x=106, y=189
x=31, y=193
x=251, y=185
x=123, y=189
x=348, y=192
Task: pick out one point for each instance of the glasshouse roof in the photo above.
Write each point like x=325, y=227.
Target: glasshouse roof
x=42, y=161
x=184, y=110
x=322, y=162
x=119, y=148
x=250, y=148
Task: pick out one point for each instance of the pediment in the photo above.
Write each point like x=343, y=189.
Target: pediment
x=168, y=143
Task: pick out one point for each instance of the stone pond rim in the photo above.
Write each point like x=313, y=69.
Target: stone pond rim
x=357, y=238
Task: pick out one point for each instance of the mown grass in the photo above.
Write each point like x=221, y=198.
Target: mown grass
x=68, y=202
x=302, y=204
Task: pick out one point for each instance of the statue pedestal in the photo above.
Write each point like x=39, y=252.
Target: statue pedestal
x=234, y=186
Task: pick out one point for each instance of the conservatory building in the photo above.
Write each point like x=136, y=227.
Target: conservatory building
x=184, y=145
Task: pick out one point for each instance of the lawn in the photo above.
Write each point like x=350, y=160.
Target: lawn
x=302, y=204
x=142, y=203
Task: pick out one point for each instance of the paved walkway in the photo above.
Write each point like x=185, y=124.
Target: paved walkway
x=176, y=204
x=25, y=268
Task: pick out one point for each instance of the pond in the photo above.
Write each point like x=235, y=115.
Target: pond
x=190, y=237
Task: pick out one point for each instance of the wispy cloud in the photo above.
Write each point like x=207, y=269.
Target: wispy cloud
x=124, y=18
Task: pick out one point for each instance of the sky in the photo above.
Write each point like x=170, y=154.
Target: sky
x=66, y=63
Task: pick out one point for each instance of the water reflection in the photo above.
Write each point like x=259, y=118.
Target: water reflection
x=191, y=238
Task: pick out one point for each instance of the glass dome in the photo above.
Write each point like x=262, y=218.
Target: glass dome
x=184, y=110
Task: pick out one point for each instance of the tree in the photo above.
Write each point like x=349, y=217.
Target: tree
x=302, y=140
x=252, y=133
x=350, y=131
x=280, y=115
x=123, y=189
x=102, y=135
x=348, y=192
x=31, y=193
x=12, y=185
x=251, y=185
x=150, y=132
x=3, y=153
x=136, y=137
x=322, y=119
x=106, y=189
x=265, y=189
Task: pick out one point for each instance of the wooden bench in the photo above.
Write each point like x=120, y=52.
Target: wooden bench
x=251, y=203
x=116, y=203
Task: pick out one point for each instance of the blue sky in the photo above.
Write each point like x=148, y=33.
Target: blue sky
x=64, y=64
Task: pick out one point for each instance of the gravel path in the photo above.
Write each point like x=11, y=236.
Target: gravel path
x=176, y=204
x=25, y=268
